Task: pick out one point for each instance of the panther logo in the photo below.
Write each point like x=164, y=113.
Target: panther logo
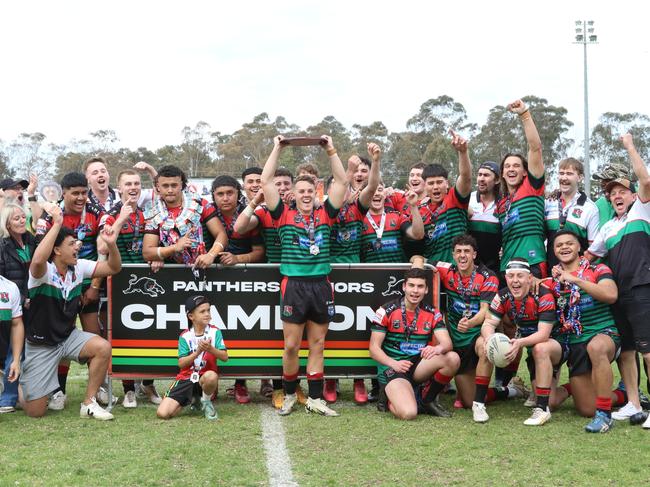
x=144, y=285
x=394, y=287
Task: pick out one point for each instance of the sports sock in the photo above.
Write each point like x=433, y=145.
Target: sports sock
x=437, y=384
x=205, y=396
x=315, y=382
x=277, y=384
x=567, y=386
x=621, y=397
x=604, y=404
x=496, y=394
x=290, y=381
x=147, y=382
x=482, y=383
x=542, y=394
x=128, y=386
x=63, y=376
x=510, y=370
x=240, y=382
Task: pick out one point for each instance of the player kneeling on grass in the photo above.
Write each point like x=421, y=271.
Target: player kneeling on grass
x=584, y=293
x=400, y=343
x=534, y=319
x=199, y=347
x=55, y=280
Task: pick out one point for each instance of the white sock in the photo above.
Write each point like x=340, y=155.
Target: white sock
x=206, y=396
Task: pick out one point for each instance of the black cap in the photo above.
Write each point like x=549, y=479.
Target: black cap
x=491, y=165
x=10, y=183
x=194, y=302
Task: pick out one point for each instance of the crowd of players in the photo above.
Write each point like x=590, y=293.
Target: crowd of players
x=568, y=279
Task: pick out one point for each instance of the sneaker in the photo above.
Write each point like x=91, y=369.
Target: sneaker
x=373, y=394
x=7, y=409
x=638, y=418
x=434, y=408
x=102, y=396
x=625, y=412
x=319, y=406
x=230, y=392
x=382, y=401
x=151, y=393
x=208, y=409
x=329, y=390
x=531, y=402
x=277, y=398
x=94, y=411
x=287, y=404
x=57, y=401
x=458, y=404
x=539, y=417
x=479, y=412
x=129, y=400
x=302, y=399
x=360, y=393
x=266, y=389
x=241, y=394
x=600, y=424
x=646, y=425
x=644, y=400
x=518, y=385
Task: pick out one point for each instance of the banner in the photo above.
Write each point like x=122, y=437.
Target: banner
x=147, y=315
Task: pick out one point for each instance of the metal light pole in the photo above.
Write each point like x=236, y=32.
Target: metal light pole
x=585, y=35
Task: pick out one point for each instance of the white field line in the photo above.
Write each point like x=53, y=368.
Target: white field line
x=278, y=463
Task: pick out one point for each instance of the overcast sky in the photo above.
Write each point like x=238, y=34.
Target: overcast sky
x=146, y=69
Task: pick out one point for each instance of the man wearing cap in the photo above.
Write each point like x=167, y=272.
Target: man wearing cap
x=534, y=319
x=625, y=240
x=483, y=223
x=14, y=189
x=570, y=209
x=608, y=173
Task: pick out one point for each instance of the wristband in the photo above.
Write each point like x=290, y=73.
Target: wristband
x=219, y=243
x=248, y=211
x=32, y=198
x=331, y=152
x=159, y=253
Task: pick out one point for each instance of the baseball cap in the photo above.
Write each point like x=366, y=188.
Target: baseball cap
x=614, y=170
x=10, y=183
x=619, y=181
x=194, y=302
x=491, y=165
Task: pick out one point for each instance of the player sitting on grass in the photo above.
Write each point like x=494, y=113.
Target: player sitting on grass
x=199, y=347
x=534, y=318
x=400, y=342
x=584, y=293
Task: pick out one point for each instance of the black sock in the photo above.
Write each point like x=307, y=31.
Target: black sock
x=147, y=382
x=63, y=379
x=315, y=388
x=240, y=382
x=128, y=386
x=277, y=384
x=290, y=382
x=501, y=393
x=542, y=394
x=481, y=392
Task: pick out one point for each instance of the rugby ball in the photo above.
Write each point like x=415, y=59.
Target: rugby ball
x=498, y=345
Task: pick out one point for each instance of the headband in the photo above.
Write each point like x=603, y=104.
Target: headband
x=517, y=265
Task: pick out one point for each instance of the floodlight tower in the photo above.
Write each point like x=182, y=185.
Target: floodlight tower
x=585, y=35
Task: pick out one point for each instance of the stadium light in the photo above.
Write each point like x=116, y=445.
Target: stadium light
x=585, y=34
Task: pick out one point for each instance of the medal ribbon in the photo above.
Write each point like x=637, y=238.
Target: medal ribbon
x=568, y=312
x=379, y=229
x=409, y=328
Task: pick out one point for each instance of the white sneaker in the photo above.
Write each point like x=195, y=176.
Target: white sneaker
x=646, y=425
x=7, y=409
x=479, y=412
x=319, y=406
x=287, y=404
x=151, y=393
x=94, y=411
x=531, y=401
x=539, y=417
x=129, y=400
x=625, y=412
x=102, y=396
x=57, y=401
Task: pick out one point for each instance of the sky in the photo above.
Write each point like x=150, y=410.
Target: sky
x=147, y=69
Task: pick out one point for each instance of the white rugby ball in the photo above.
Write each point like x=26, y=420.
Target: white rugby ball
x=498, y=345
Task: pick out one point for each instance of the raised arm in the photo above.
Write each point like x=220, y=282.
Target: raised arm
x=464, y=181
x=113, y=264
x=271, y=194
x=416, y=230
x=535, y=162
x=43, y=250
x=639, y=167
x=34, y=207
x=339, y=183
x=247, y=220
x=374, y=151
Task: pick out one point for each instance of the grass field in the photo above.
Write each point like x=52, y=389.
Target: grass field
x=361, y=447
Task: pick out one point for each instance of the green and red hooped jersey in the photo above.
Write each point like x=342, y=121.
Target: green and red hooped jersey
x=270, y=236
x=442, y=223
x=297, y=258
x=398, y=344
x=535, y=309
x=484, y=288
x=390, y=248
x=238, y=244
x=346, y=234
x=86, y=230
x=188, y=343
x=595, y=316
x=129, y=240
x=522, y=222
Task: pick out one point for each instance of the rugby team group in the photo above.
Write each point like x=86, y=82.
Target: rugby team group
x=567, y=279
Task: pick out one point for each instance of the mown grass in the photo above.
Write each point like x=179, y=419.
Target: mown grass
x=361, y=447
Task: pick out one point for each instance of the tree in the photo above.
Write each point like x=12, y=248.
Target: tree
x=5, y=170
x=197, y=149
x=502, y=133
x=27, y=155
x=605, y=143
x=439, y=115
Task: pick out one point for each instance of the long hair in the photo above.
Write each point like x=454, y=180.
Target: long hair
x=6, y=214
